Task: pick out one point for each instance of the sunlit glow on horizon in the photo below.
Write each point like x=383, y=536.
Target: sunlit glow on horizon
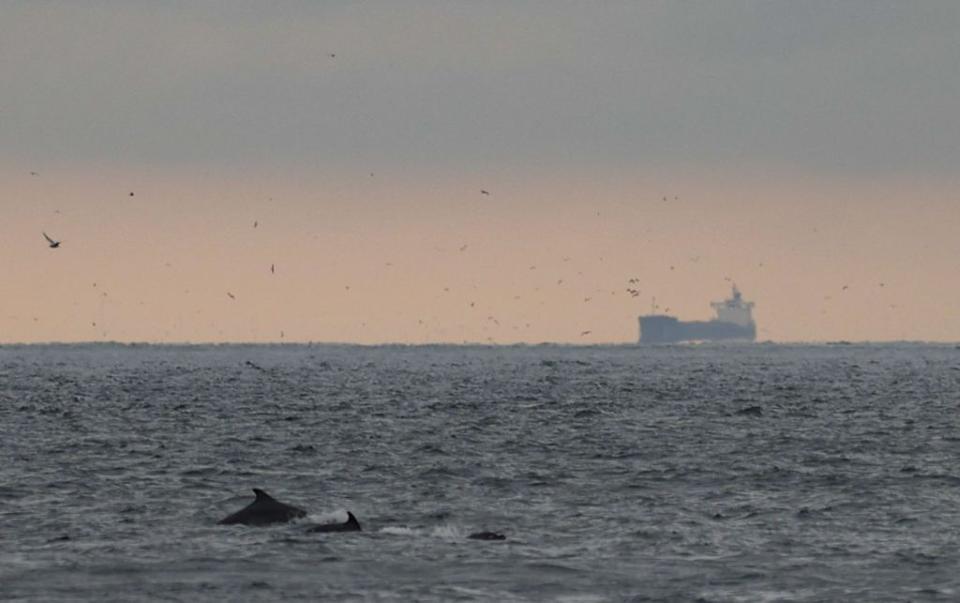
x=415, y=260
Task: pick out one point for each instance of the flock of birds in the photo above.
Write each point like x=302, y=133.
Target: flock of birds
x=55, y=244
x=632, y=284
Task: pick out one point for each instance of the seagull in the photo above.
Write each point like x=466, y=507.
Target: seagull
x=483, y=192
x=582, y=333
x=272, y=269
x=230, y=295
x=53, y=244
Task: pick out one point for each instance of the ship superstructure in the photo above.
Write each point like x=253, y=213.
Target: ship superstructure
x=734, y=321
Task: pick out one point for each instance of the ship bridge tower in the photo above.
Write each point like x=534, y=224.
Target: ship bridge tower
x=734, y=310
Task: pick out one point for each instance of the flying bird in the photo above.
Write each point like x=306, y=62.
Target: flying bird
x=230, y=295
x=483, y=192
x=272, y=269
x=53, y=244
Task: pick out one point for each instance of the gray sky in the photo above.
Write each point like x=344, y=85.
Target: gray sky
x=806, y=150
x=868, y=86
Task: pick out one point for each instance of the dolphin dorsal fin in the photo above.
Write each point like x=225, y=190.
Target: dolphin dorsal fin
x=261, y=495
x=352, y=521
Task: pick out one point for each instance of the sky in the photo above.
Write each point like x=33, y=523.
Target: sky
x=419, y=172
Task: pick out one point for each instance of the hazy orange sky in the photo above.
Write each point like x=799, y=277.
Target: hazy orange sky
x=801, y=148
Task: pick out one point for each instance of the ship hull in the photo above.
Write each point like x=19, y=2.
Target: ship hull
x=667, y=329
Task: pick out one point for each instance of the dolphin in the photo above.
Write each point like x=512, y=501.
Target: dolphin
x=486, y=536
x=263, y=511
x=350, y=525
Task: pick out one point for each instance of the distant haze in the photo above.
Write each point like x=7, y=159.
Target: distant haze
x=807, y=151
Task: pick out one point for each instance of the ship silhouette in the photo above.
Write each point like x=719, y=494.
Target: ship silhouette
x=734, y=321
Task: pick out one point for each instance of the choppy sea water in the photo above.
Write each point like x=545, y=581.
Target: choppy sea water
x=623, y=473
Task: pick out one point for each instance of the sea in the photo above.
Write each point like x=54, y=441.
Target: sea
x=704, y=473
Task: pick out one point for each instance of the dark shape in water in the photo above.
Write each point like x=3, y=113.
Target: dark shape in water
x=350, y=525
x=265, y=510
x=752, y=411
x=486, y=536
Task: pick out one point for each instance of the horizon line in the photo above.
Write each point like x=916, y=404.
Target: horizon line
x=481, y=343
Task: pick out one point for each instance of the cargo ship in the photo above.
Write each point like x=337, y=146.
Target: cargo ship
x=734, y=321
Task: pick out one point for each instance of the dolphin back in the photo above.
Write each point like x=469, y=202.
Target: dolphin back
x=264, y=510
x=350, y=525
